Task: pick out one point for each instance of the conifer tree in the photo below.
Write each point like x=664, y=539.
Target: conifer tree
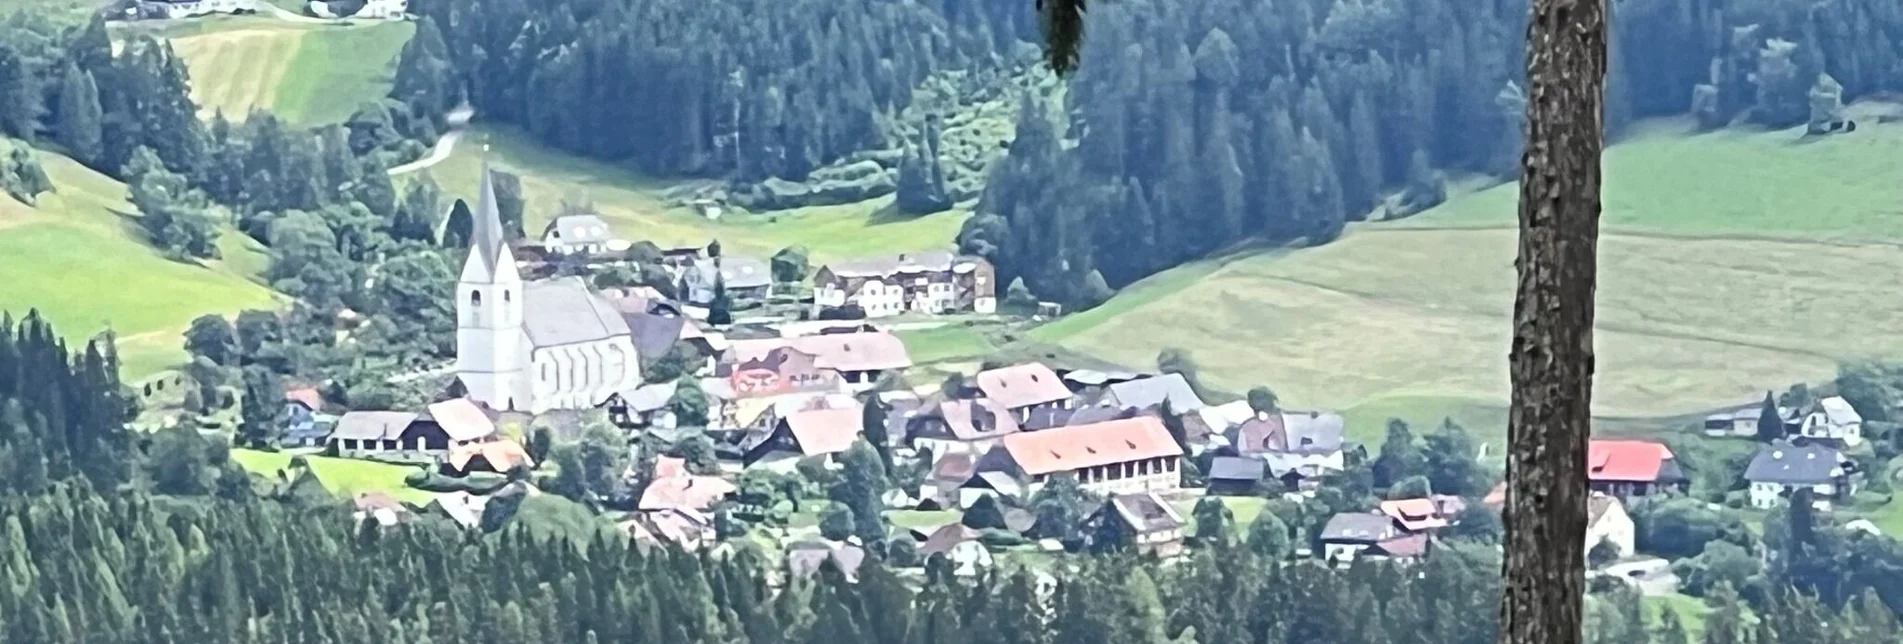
x=80, y=123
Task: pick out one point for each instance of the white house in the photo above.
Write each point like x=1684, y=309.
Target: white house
x=1607, y=522
x=1782, y=468
x=1833, y=418
x=175, y=9
x=580, y=233
x=384, y=9
x=933, y=282
x=534, y=346
x=1742, y=421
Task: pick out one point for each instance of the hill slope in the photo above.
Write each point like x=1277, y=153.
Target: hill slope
x=633, y=205
x=306, y=73
x=1718, y=281
x=83, y=262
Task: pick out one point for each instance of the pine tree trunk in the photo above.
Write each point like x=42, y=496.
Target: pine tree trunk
x=1552, y=359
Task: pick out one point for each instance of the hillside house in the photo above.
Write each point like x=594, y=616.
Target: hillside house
x=495, y=457
x=1607, y=522
x=1833, y=419
x=1781, y=468
x=367, y=433
x=1627, y=468
x=584, y=234
x=806, y=434
x=1298, y=446
x=1144, y=522
x=178, y=9
x=746, y=279
x=1422, y=515
x=1151, y=393
x=1023, y=389
x=959, y=426
x=933, y=282
x=1349, y=535
x=306, y=424
x=1132, y=455
x=860, y=357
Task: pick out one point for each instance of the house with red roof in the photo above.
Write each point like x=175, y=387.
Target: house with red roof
x=1126, y=456
x=1629, y=468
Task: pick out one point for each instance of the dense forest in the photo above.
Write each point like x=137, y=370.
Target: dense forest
x=117, y=537
x=1191, y=123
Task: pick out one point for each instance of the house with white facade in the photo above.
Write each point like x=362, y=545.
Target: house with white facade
x=369, y=9
x=934, y=282
x=1298, y=446
x=539, y=345
x=1781, y=468
x=1607, y=522
x=1352, y=535
x=1024, y=388
x=576, y=233
x=1126, y=456
x=1833, y=419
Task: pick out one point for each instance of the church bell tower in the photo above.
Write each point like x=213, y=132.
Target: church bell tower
x=490, y=355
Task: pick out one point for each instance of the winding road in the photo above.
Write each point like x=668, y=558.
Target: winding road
x=445, y=145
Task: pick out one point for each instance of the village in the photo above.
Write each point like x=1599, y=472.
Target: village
x=742, y=418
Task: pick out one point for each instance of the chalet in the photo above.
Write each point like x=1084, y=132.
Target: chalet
x=959, y=426
x=1152, y=393
x=934, y=282
x=773, y=366
x=1626, y=468
x=306, y=424
x=746, y=280
x=1120, y=456
x=495, y=457
x=1298, y=446
x=363, y=433
x=448, y=424
x=806, y=434
x=1781, y=468
x=1145, y=522
x=1833, y=419
x=860, y=357
x=1608, y=523
x=1023, y=389
x=584, y=234
x=1350, y=534
x=642, y=406
x=1422, y=515
x=959, y=545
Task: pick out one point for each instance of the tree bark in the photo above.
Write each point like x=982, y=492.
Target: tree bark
x=1552, y=360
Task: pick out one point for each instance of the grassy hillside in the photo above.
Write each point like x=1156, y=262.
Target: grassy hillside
x=82, y=261
x=305, y=73
x=631, y=204
x=1719, y=280
x=342, y=476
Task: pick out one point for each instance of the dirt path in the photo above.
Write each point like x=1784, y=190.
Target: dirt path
x=445, y=146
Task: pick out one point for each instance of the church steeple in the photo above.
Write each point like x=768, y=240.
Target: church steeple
x=486, y=238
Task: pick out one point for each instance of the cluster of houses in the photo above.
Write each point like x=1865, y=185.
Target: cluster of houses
x=180, y=9
x=1809, y=454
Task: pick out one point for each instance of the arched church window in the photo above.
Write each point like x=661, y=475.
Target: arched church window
x=475, y=298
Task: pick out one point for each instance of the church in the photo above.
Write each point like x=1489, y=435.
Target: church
x=534, y=346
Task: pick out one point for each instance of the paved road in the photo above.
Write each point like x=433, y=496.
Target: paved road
x=445, y=145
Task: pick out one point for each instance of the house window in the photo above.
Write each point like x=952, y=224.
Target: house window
x=505, y=296
x=475, y=298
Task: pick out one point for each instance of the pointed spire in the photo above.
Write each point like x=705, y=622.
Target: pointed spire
x=486, y=239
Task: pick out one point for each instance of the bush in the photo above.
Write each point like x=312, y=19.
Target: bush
x=999, y=539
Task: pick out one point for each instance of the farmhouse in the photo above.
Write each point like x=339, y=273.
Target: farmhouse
x=576, y=233
x=934, y=282
x=1236, y=475
x=306, y=424
x=1023, y=389
x=1298, y=446
x=1144, y=522
x=1781, y=468
x=804, y=434
x=642, y=406
x=1833, y=419
x=1608, y=523
x=1151, y=393
x=361, y=433
x=1120, y=456
x=959, y=426
x=860, y=357
x=1349, y=534
x=1625, y=468
x=495, y=457
x=534, y=346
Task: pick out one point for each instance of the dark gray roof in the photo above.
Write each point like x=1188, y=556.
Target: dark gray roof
x=648, y=398
x=1784, y=463
x=928, y=261
x=576, y=229
x=372, y=425
x=1149, y=392
x=1358, y=526
x=564, y=311
x=1237, y=468
x=486, y=238
x=1046, y=418
x=654, y=333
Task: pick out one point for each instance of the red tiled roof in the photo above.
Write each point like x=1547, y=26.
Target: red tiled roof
x=1066, y=449
x=1633, y=461
x=825, y=431
x=1022, y=385
x=1414, y=515
x=307, y=396
x=667, y=467
x=503, y=455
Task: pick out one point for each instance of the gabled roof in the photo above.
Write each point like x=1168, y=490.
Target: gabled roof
x=1146, y=513
x=1313, y=432
x=1237, y=468
x=1022, y=385
x=970, y=420
x=1784, y=463
x=462, y=419
x=564, y=311
x=1362, y=527
x=372, y=425
x=1402, y=547
x=1629, y=461
x=824, y=431
x=928, y=261
x=1066, y=449
x=309, y=397
x=502, y=455
x=1152, y=391
x=576, y=229
x=1414, y=515
x=942, y=539
x=687, y=491
x=1839, y=412
x=646, y=398
x=863, y=351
